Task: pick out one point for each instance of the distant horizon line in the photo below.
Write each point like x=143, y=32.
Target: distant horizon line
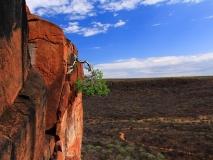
x=174, y=77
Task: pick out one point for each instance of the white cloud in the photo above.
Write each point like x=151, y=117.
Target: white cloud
x=157, y=24
x=91, y=7
x=184, y=1
x=195, y=65
x=71, y=7
x=208, y=17
x=96, y=28
x=73, y=27
x=95, y=48
x=119, y=23
x=77, y=17
x=174, y=1
x=82, y=9
x=151, y=2
x=35, y=4
x=117, y=5
x=120, y=5
x=192, y=1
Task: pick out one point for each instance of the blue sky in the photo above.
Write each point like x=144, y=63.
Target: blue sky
x=137, y=38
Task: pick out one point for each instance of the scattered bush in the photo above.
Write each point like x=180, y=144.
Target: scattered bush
x=160, y=156
x=122, y=150
x=110, y=145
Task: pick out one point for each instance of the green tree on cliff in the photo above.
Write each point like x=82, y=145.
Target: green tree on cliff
x=92, y=83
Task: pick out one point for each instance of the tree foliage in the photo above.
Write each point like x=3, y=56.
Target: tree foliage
x=93, y=83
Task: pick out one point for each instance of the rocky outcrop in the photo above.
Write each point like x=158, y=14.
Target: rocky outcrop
x=22, y=124
x=22, y=89
x=40, y=108
x=14, y=60
x=49, y=51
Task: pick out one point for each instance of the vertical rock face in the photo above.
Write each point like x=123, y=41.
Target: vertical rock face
x=46, y=46
x=69, y=126
x=40, y=108
x=22, y=89
x=23, y=122
x=14, y=60
x=49, y=50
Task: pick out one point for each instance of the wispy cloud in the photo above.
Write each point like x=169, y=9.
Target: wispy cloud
x=77, y=17
x=92, y=7
x=119, y=23
x=95, y=48
x=209, y=17
x=170, y=14
x=81, y=9
x=120, y=5
x=96, y=28
x=151, y=2
x=192, y=1
x=71, y=7
x=194, y=65
x=157, y=24
x=184, y=1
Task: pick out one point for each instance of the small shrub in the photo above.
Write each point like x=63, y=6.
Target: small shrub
x=93, y=84
x=98, y=147
x=90, y=147
x=146, y=155
x=128, y=158
x=122, y=150
x=130, y=148
x=141, y=150
x=160, y=156
x=110, y=145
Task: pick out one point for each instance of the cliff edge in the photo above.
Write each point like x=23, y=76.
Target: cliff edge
x=40, y=108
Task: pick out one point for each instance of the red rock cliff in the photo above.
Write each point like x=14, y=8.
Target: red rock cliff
x=40, y=109
x=49, y=51
x=14, y=59
x=22, y=89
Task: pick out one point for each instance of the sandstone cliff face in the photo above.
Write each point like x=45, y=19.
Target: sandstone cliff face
x=22, y=89
x=14, y=60
x=40, y=109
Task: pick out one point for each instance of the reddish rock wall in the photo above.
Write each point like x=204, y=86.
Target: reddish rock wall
x=14, y=60
x=22, y=124
x=49, y=51
x=40, y=109
x=22, y=89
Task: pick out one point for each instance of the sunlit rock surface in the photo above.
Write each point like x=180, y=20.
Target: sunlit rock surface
x=40, y=108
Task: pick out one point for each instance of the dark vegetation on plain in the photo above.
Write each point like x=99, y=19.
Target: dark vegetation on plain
x=162, y=118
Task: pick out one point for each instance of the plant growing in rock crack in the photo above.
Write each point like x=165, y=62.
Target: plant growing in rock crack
x=92, y=83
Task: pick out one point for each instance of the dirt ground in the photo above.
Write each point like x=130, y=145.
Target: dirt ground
x=163, y=118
